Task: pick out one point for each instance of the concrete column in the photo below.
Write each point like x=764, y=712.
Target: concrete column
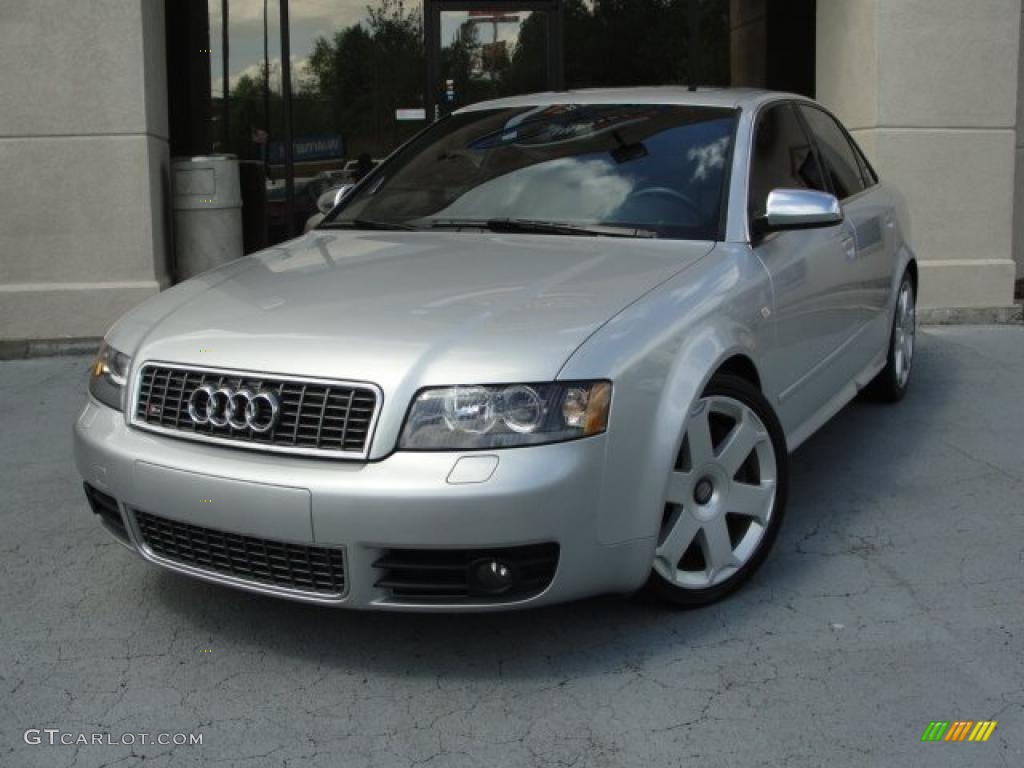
x=84, y=227
x=1018, y=208
x=929, y=89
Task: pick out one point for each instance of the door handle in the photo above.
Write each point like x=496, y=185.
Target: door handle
x=849, y=245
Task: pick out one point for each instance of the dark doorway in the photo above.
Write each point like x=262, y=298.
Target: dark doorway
x=774, y=44
x=486, y=50
x=188, y=77
x=791, y=46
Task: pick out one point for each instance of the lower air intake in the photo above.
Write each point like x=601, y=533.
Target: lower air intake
x=467, y=575
x=318, y=571
x=106, y=507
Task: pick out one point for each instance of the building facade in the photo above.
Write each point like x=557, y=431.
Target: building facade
x=99, y=96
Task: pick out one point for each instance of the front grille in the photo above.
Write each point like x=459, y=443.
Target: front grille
x=315, y=417
x=314, y=570
x=106, y=507
x=446, y=575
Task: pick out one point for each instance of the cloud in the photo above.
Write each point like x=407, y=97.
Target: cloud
x=249, y=13
x=709, y=157
x=300, y=70
x=308, y=20
x=563, y=189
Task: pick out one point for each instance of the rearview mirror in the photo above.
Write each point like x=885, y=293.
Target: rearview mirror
x=799, y=209
x=332, y=197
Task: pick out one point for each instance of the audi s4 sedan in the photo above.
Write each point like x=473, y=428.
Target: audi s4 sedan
x=555, y=346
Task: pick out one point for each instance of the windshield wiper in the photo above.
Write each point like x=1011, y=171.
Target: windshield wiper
x=370, y=224
x=533, y=226
x=558, y=228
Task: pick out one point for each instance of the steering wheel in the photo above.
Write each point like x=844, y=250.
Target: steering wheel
x=672, y=194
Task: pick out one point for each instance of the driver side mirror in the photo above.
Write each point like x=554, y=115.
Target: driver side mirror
x=790, y=209
x=332, y=197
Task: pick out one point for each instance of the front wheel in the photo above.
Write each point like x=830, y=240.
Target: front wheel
x=725, y=496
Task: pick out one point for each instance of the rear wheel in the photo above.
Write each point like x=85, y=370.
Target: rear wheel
x=725, y=496
x=891, y=384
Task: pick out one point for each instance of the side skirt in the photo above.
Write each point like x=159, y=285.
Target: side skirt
x=824, y=414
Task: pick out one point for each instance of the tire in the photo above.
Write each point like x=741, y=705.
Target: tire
x=707, y=500
x=891, y=384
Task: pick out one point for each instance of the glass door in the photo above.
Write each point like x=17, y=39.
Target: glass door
x=486, y=50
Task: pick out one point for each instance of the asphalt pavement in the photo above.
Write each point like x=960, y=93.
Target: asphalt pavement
x=894, y=598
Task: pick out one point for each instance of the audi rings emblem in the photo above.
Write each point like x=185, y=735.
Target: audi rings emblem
x=237, y=408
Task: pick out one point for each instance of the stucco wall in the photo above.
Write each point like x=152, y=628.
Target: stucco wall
x=83, y=156
x=929, y=88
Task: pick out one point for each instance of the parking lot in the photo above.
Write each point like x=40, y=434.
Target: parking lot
x=894, y=598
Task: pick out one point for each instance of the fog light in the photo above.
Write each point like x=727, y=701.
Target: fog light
x=492, y=577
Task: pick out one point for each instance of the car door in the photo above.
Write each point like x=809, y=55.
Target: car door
x=809, y=270
x=868, y=210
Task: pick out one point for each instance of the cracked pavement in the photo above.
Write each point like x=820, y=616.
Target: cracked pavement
x=893, y=598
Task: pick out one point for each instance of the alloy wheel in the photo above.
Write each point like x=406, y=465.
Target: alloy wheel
x=720, y=496
x=905, y=331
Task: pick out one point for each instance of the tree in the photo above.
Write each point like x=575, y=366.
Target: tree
x=248, y=115
x=363, y=74
x=528, y=67
x=643, y=42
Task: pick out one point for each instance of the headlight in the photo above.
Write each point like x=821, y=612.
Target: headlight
x=108, y=376
x=467, y=418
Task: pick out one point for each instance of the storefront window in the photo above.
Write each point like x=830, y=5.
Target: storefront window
x=490, y=53
x=354, y=66
x=363, y=79
x=254, y=109
x=359, y=64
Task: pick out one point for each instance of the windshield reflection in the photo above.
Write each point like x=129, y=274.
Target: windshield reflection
x=567, y=189
x=657, y=168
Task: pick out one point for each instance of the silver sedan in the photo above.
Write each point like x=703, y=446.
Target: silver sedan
x=555, y=346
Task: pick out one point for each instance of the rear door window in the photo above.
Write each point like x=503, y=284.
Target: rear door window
x=838, y=154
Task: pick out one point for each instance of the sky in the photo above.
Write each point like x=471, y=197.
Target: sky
x=307, y=19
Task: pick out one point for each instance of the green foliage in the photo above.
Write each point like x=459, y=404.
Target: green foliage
x=247, y=114
x=643, y=42
x=364, y=73
x=355, y=80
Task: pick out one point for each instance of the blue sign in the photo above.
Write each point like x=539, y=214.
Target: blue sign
x=309, y=148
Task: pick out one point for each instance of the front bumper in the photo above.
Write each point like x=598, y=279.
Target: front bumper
x=520, y=498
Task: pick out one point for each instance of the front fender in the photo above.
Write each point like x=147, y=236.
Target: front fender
x=660, y=353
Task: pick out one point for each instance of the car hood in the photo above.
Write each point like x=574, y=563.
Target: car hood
x=403, y=309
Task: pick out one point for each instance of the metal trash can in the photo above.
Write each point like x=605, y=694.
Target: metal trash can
x=207, y=203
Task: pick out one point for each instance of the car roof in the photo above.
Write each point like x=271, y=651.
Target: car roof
x=729, y=98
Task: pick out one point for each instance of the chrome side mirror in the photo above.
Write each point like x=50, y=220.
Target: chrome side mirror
x=799, y=209
x=332, y=197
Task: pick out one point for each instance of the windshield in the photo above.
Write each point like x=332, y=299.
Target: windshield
x=621, y=170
